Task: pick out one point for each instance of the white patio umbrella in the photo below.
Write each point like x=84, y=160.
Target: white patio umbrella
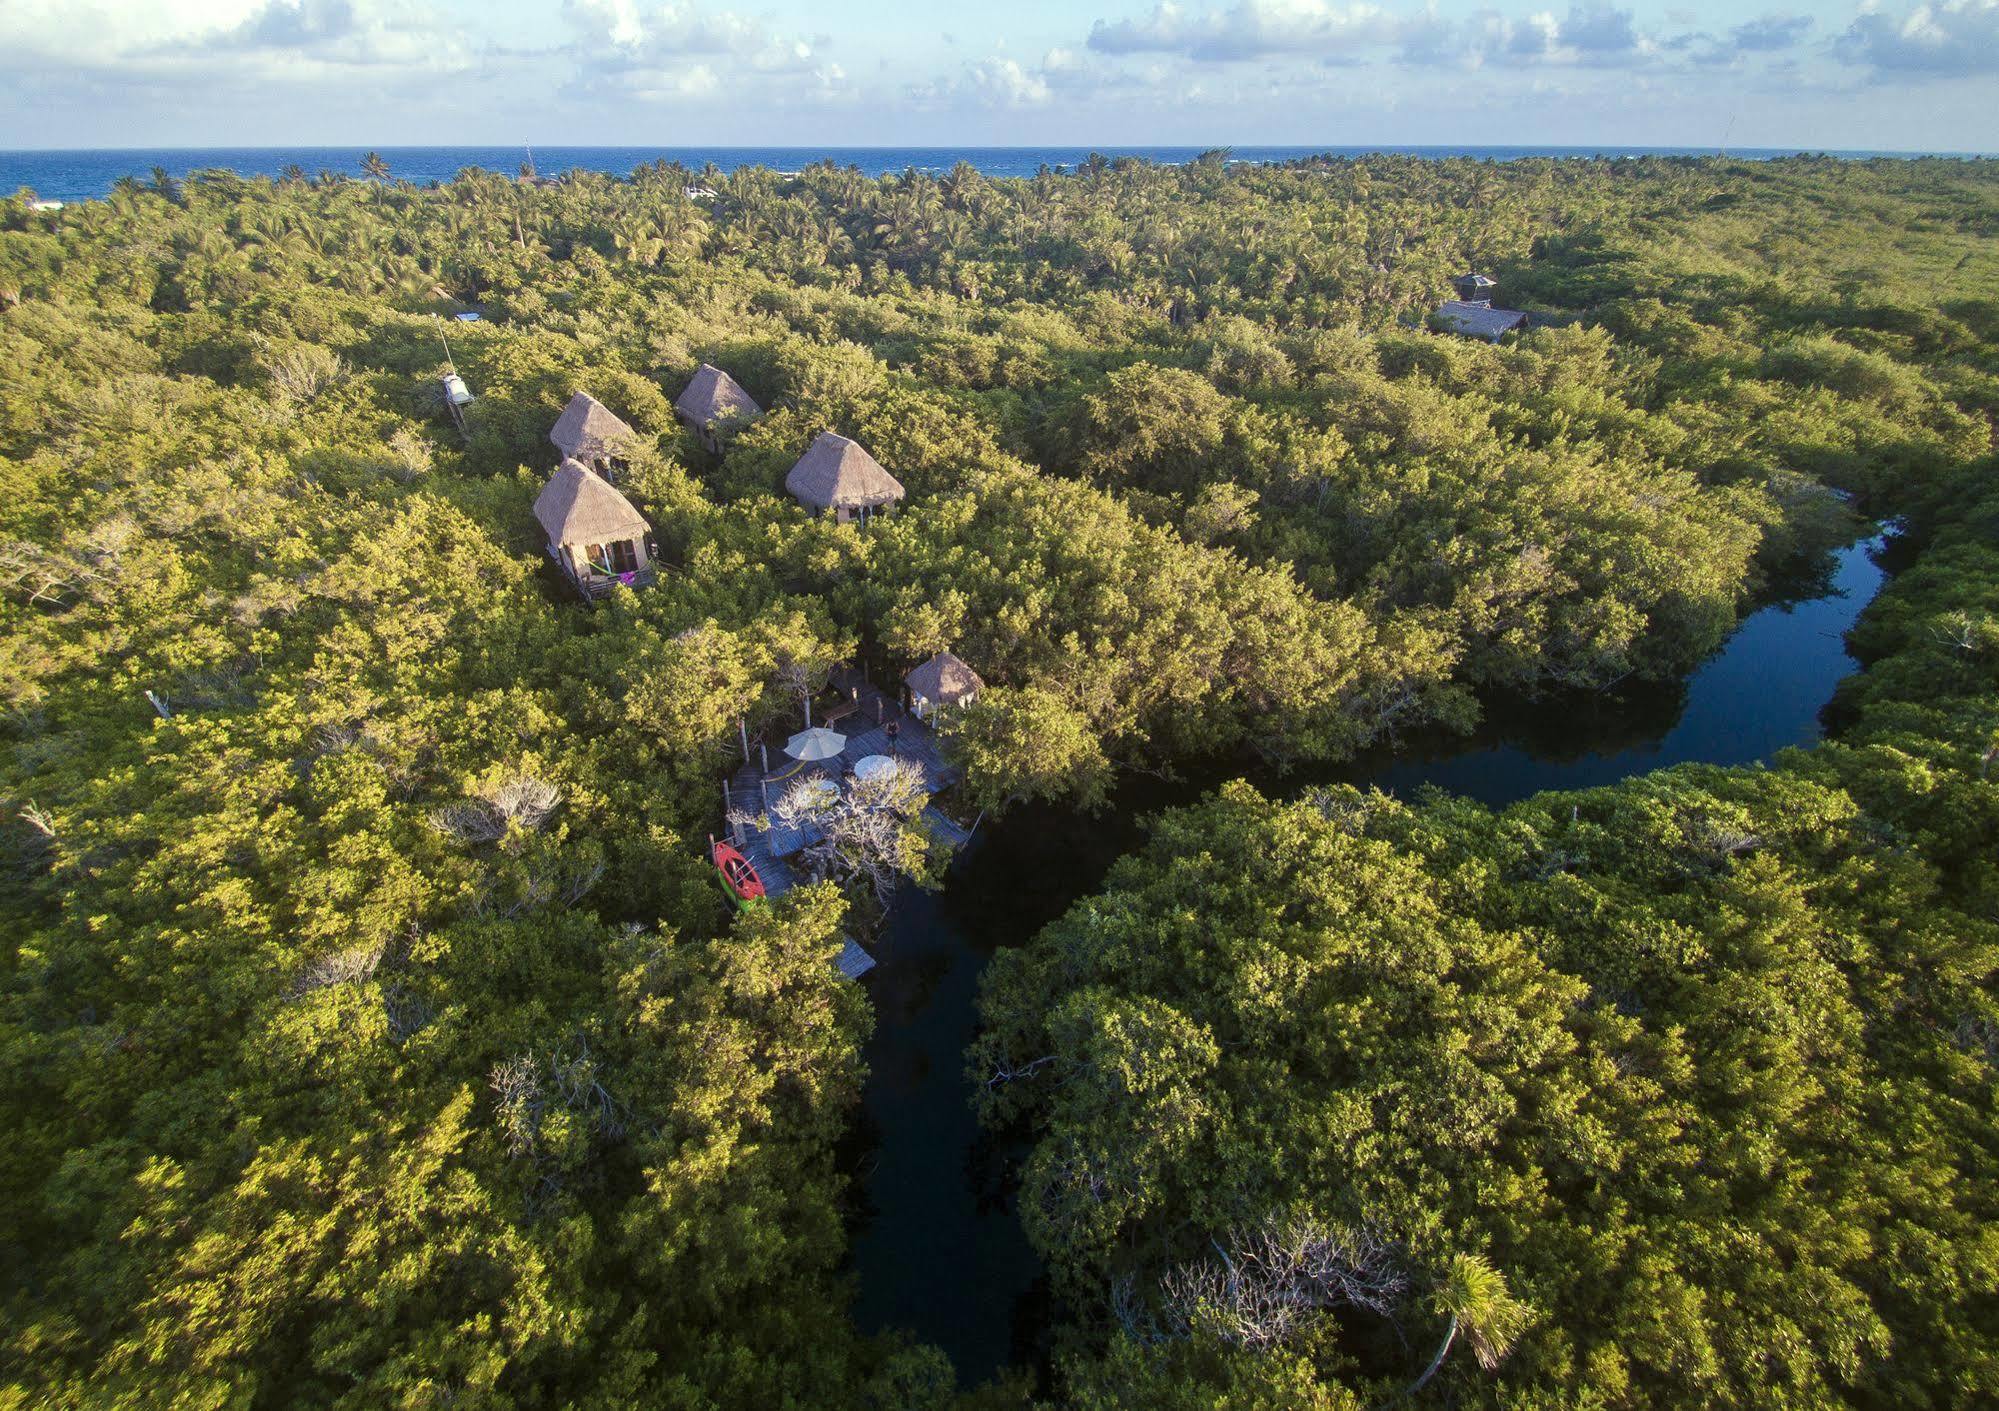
x=817, y=743
x=873, y=767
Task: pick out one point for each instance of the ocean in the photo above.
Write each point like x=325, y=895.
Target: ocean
x=82, y=175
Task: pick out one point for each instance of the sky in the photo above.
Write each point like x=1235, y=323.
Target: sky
x=1830, y=74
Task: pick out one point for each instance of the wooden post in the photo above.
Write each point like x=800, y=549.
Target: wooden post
x=808, y=712
x=878, y=710
x=764, y=750
x=726, y=802
x=764, y=784
x=743, y=731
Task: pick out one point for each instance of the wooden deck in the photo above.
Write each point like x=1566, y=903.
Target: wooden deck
x=866, y=729
x=852, y=962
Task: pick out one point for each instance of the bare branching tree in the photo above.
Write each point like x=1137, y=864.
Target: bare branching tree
x=865, y=833
x=43, y=577
x=302, y=372
x=1007, y=1071
x=1712, y=843
x=406, y=1012
x=39, y=819
x=522, y=801
x=527, y=1089
x=408, y=457
x=802, y=677
x=340, y=967
x=538, y=882
x=518, y=1103
x=1962, y=632
x=1262, y=1289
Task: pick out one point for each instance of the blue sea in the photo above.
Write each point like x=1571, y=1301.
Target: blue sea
x=81, y=175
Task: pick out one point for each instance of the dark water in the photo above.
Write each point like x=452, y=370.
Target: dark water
x=85, y=174
x=938, y=1249
x=1762, y=692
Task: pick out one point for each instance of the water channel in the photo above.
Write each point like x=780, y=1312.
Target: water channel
x=937, y=1249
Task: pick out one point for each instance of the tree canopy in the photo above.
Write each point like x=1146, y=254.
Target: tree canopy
x=373, y=1033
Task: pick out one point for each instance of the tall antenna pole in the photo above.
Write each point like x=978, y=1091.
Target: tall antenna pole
x=532, y=174
x=448, y=364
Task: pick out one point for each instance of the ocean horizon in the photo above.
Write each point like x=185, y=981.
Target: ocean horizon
x=81, y=174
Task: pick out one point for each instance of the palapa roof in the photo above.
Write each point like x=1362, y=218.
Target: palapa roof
x=1479, y=320
x=588, y=430
x=578, y=506
x=835, y=473
x=944, y=679
x=712, y=394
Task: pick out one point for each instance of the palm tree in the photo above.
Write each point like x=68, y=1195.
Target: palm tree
x=374, y=168
x=1472, y=1294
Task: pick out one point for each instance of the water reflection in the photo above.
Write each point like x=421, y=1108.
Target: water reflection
x=936, y=1246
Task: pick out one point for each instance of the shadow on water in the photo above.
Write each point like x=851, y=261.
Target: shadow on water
x=937, y=1248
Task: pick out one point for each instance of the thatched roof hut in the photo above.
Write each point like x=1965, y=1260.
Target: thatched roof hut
x=836, y=474
x=1478, y=320
x=588, y=431
x=578, y=506
x=943, y=680
x=593, y=531
x=712, y=395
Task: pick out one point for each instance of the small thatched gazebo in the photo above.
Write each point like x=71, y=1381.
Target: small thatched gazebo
x=836, y=474
x=943, y=680
x=593, y=531
x=589, y=432
x=713, y=396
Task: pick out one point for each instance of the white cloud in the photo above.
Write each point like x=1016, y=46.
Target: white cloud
x=1954, y=38
x=1591, y=34
x=1249, y=29
x=230, y=45
x=80, y=31
x=1771, y=33
x=997, y=82
x=333, y=71
x=669, y=51
x=1005, y=83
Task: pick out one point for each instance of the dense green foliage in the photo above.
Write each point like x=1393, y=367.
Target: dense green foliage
x=1700, y=1067
x=371, y=1034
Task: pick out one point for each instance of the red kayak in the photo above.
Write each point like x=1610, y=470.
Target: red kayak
x=738, y=874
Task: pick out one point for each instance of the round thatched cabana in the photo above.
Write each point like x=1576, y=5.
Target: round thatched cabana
x=712, y=397
x=593, y=531
x=836, y=475
x=944, y=680
x=588, y=431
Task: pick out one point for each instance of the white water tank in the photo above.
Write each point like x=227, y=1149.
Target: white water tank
x=455, y=390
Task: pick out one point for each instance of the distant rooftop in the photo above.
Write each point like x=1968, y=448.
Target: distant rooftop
x=712, y=394
x=1479, y=320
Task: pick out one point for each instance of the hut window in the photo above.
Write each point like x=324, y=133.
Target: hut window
x=624, y=558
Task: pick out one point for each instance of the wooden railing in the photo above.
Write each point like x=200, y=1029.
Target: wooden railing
x=595, y=583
